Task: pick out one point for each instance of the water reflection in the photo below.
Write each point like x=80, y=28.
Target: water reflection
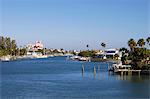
x=134, y=78
x=94, y=71
x=98, y=71
x=82, y=70
x=60, y=78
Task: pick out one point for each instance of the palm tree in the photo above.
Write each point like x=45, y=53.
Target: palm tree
x=8, y=45
x=2, y=43
x=103, y=44
x=132, y=44
x=141, y=42
x=13, y=46
x=123, y=49
x=87, y=46
x=148, y=40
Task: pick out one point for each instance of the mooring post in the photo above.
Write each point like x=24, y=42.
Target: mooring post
x=108, y=67
x=129, y=72
x=121, y=73
x=139, y=73
x=98, y=71
x=124, y=73
x=94, y=71
x=82, y=68
x=98, y=67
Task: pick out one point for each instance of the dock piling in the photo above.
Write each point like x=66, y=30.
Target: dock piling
x=94, y=71
x=139, y=73
x=121, y=73
x=108, y=67
x=98, y=67
x=82, y=68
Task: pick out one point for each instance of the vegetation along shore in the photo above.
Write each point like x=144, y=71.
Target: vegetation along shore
x=138, y=56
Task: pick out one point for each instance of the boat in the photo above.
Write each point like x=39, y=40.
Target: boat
x=75, y=57
x=41, y=56
x=85, y=59
x=79, y=58
x=119, y=66
x=50, y=55
x=5, y=59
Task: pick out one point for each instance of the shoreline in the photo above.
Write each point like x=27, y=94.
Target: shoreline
x=24, y=57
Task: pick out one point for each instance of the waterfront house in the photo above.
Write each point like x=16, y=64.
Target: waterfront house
x=111, y=53
x=34, y=48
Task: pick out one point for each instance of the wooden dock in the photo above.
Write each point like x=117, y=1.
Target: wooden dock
x=127, y=71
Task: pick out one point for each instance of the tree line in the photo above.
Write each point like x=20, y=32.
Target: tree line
x=8, y=46
x=138, y=55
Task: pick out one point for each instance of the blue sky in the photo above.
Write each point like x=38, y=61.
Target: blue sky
x=71, y=24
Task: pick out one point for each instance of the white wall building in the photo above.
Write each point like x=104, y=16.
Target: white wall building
x=34, y=47
x=112, y=52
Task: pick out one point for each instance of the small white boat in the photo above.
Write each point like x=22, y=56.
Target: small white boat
x=118, y=66
x=75, y=57
x=50, y=55
x=5, y=59
x=42, y=56
x=38, y=55
x=88, y=59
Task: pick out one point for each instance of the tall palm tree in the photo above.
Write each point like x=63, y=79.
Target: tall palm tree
x=103, y=44
x=2, y=43
x=13, y=46
x=123, y=49
x=8, y=45
x=87, y=46
x=148, y=40
x=141, y=42
x=132, y=44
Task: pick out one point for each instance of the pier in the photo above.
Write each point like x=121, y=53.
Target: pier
x=117, y=69
x=94, y=69
x=126, y=70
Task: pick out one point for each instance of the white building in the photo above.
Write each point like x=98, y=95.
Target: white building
x=35, y=47
x=110, y=53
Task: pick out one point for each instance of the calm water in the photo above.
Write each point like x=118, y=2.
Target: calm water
x=58, y=78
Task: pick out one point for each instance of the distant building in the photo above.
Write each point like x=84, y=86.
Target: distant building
x=110, y=53
x=35, y=47
x=99, y=52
